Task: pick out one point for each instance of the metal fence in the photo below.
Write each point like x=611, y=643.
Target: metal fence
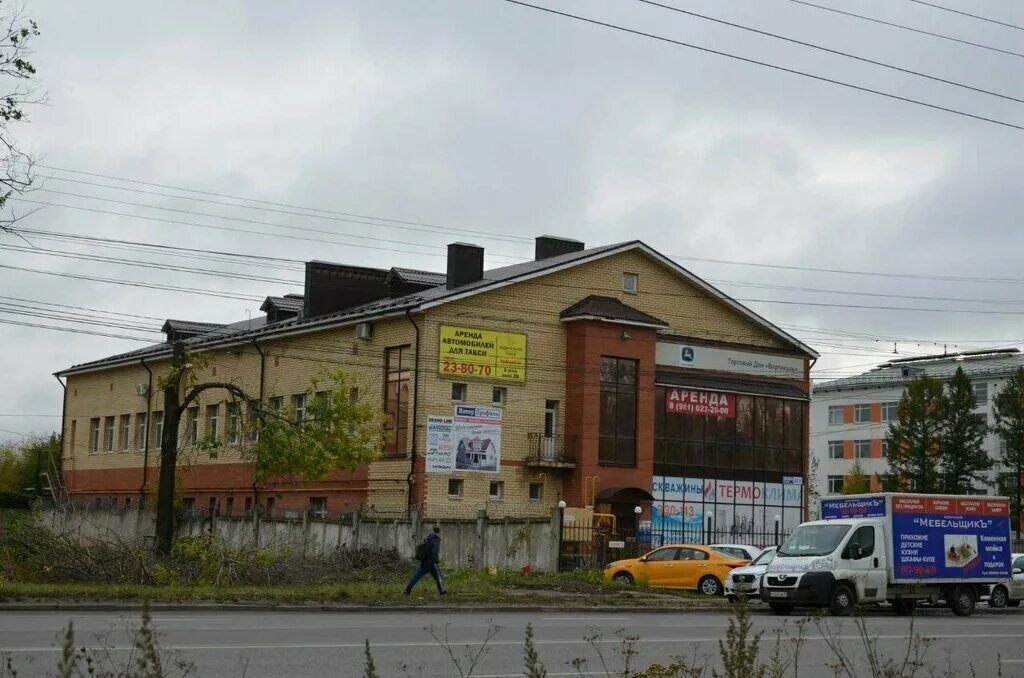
x=594, y=547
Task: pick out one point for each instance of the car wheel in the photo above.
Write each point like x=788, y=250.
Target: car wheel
x=904, y=607
x=999, y=597
x=624, y=578
x=709, y=586
x=962, y=601
x=842, y=601
x=1013, y=603
x=781, y=608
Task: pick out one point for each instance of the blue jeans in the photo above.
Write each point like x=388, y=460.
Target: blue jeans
x=425, y=569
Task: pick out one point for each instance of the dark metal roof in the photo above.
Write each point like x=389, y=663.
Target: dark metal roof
x=189, y=326
x=730, y=385
x=258, y=328
x=609, y=308
x=289, y=302
x=421, y=277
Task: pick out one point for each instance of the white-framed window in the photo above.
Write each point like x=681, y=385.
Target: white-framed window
x=499, y=396
x=459, y=393
x=862, y=449
x=299, y=403
x=234, y=423
x=193, y=425
x=835, y=449
x=496, y=490
x=158, y=427
x=890, y=411
x=885, y=449
x=108, y=434
x=835, y=415
x=862, y=413
x=835, y=484
x=536, y=491
x=455, y=487
x=277, y=403
x=353, y=395
x=126, y=432
x=980, y=392
x=213, y=422
x=94, y=435
x=630, y=283
x=141, y=430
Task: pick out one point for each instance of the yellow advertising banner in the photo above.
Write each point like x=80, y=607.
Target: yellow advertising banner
x=485, y=354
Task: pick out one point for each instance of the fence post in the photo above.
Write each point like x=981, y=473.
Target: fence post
x=560, y=527
x=481, y=538
x=776, y=530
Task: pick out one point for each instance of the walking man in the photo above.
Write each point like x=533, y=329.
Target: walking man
x=429, y=554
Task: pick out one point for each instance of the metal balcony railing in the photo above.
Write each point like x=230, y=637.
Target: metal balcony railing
x=556, y=451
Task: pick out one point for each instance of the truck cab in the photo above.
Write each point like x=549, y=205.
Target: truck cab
x=829, y=563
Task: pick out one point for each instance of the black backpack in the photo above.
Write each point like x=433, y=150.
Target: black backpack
x=424, y=552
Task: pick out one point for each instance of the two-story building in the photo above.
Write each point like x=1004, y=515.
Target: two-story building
x=609, y=377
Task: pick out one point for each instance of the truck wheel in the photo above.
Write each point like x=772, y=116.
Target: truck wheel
x=842, y=602
x=709, y=586
x=904, y=607
x=962, y=601
x=999, y=597
x=781, y=608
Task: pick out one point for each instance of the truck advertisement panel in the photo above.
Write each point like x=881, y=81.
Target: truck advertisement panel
x=950, y=538
x=853, y=507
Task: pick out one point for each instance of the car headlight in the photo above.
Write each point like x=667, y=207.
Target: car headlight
x=820, y=564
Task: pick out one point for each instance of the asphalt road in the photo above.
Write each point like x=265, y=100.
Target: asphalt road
x=259, y=644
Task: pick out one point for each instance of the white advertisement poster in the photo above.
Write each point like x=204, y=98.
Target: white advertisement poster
x=439, y=445
x=470, y=441
x=723, y=360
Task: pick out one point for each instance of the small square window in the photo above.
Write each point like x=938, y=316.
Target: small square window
x=835, y=449
x=454, y=487
x=497, y=489
x=862, y=449
x=862, y=413
x=630, y=283
x=835, y=484
x=499, y=396
x=890, y=411
x=459, y=393
x=536, y=491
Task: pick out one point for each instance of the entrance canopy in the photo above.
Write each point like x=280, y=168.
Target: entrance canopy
x=624, y=495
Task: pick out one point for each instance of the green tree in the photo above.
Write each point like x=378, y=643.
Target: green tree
x=915, y=438
x=962, y=455
x=335, y=433
x=856, y=481
x=21, y=467
x=1008, y=416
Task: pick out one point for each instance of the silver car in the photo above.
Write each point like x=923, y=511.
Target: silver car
x=746, y=581
x=1010, y=593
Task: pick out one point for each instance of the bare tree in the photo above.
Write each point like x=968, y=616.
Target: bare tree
x=17, y=33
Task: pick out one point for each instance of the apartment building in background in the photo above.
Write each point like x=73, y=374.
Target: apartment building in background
x=850, y=416
x=607, y=377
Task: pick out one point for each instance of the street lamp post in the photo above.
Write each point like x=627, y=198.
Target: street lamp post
x=561, y=530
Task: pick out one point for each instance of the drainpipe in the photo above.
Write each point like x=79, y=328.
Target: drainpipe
x=263, y=367
x=145, y=443
x=63, y=423
x=411, y=478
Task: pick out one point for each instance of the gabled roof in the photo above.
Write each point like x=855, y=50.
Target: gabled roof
x=289, y=302
x=610, y=309
x=413, y=275
x=190, y=327
x=248, y=331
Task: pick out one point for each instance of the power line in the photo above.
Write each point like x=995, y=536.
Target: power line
x=973, y=16
x=765, y=64
x=451, y=229
x=76, y=331
x=832, y=51
x=909, y=28
x=81, y=308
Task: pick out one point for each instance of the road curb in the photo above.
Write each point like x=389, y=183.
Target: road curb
x=327, y=607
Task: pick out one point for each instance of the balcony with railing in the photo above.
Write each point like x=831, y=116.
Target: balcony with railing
x=554, y=451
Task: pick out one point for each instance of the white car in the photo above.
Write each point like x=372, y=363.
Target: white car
x=741, y=551
x=746, y=581
x=1012, y=592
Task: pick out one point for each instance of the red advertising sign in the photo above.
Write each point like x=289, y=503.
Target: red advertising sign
x=694, y=401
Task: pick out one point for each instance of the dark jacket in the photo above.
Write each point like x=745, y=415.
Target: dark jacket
x=434, y=541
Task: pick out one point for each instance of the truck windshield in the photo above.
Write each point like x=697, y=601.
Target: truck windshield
x=813, y=540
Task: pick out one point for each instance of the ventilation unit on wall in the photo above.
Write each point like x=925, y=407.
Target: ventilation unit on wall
x=142, y=389
x=364, y=330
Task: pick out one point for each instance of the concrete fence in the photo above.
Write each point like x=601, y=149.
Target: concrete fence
x=472, y=544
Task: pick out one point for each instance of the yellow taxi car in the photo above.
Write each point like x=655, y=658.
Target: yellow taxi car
x=677, y=566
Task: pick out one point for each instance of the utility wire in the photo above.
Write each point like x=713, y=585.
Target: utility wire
x=973, y=16
x=832, y=51
x=909, y=28
x=765, y=64
x=76, y=331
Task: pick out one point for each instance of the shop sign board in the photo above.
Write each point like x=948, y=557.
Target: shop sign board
x=695, y=356
x=481, y=353
x=700, y=402
x=470, y=441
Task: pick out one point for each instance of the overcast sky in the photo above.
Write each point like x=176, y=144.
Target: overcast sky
x=492, y=118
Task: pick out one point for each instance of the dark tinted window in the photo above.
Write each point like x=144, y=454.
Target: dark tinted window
x=691, y=554
x=662, y=555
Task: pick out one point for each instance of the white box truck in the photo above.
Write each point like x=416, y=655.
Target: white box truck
x=895, y=547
